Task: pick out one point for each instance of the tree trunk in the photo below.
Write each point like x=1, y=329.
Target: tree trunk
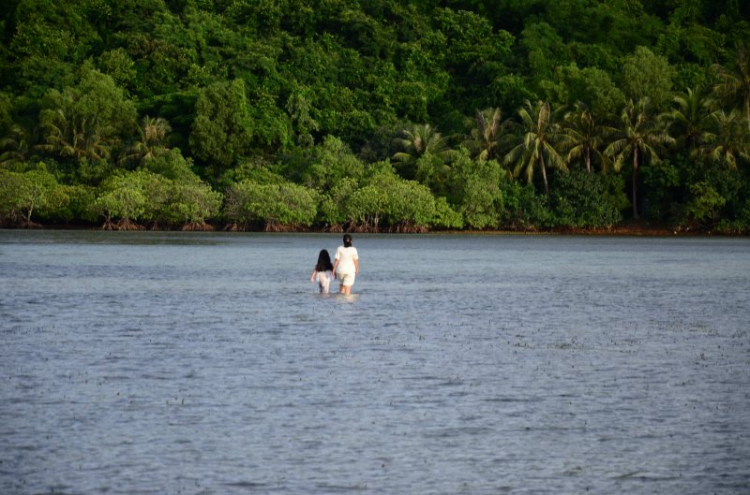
x=28, y=216
x=587, y=150
x=544, y=174
x=635, y=184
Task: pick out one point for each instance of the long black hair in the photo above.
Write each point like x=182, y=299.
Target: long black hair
x=347, y=240
x=324, y=262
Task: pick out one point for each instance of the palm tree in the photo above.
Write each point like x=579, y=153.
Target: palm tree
x=539, y=133
x=734, y=84
x=485, y=140
x=153, y=133
x=415, y=142
x=584, y=134
x=690, y=120
x=76, y=138
x=16, y=146
x=729, y=141
x=640, y=136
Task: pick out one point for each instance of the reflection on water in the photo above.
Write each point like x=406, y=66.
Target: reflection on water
x=207, y=363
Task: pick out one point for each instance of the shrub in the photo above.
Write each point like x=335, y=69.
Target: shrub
x=580, y=199
x=274, y=206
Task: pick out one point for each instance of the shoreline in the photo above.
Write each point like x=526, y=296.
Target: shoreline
x=626, y=230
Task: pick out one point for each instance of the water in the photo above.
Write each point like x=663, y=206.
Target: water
x=177, y=363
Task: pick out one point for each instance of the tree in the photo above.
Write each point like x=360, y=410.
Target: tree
x=86, y=120
x=730, y=140
x=330, y=162
x=434, y=171
x=275, y=206
x=639, y=137
x=485, y=139
x=523, y=208
x=6, y=107
x=584, y=135
x=23, y=194
x=16, y=146
x=366, y=208
x=160, y=193
x=299, y=88
x=475, y=190
x=582, y=199
x=333, y=204
x=10, y=184
x=539, y=134
x=172, y=165
x=57, y=30
x=76, y=203
x=471, y=51
x=445, y=216
x=545, y=49
x=591, y=86
x=298, y=107
x=119, y=66
x=689, y=122
x=222, y=130
x=405, y=206
x=646, y=75
x=70, y=137
x=415, y=142
x=705, y=203
x=152, y=142
x=122, y=197
x=192, y=203
x=734, y=83
x=49, y=41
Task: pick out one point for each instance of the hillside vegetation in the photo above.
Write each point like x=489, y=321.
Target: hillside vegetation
x=375, y=115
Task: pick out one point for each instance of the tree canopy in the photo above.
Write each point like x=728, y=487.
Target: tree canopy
x=375, y=115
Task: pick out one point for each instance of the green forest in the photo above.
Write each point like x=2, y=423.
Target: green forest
x=375, y=115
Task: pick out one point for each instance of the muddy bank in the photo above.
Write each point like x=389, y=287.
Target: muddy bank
x=626, y=229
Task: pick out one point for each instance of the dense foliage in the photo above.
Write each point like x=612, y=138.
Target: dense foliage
x=375, y=115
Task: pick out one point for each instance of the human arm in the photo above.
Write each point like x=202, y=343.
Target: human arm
x=312, y=277
x=356, y=266
x=336, y=261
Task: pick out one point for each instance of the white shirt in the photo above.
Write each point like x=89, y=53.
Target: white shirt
x=324, y=279
x=346, y=257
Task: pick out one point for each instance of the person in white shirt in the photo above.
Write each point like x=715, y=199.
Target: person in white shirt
x=346, y=265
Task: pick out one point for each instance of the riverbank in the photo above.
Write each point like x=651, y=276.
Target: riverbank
x=637, y=229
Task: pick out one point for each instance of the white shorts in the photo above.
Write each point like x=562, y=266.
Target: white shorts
x=346, y=279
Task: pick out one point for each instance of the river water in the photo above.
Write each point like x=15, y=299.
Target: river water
x=206, y=363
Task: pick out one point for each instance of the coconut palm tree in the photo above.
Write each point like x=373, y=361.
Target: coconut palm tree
x=73, y=137
x=539, y=133
x=640, y=135
x=485, y=140
x=689, y=122
x=734, y=83
x=16, y=147
x=415, y=142
x=418, y=140
x=729, y=141
x=152, y=143
x=583, y=135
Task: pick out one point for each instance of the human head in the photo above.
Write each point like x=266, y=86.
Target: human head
x=324, y=261
x=347, y=240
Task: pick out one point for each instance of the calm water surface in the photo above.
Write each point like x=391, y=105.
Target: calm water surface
x=174, y=363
